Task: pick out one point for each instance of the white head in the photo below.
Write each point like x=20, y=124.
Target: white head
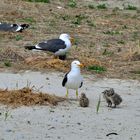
x=64, y=36
x=76, y=64
x=67, y=38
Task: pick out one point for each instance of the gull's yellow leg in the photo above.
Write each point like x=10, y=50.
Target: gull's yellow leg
x=77, y=93
x=67, y=93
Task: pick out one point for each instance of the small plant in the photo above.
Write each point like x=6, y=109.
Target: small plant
x=18, y=37
x=116, y=9
x=121, y=42
x=65, y=17
x=129, y=7
x=98, y=104
x=7, y=63
x=101, y=6
x=97, y=68
x=72, y=3
x=78, y=19
x=6, y=115
x=91, y=23
x=108, y=53
x=45, y=1
x=112, y=32
x=135, y=71
x=29, y=20
x=125, y=27
x=91, y=6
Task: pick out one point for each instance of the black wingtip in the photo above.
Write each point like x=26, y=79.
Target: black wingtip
x=29, y=47
x=65, y=80
x=24, y=26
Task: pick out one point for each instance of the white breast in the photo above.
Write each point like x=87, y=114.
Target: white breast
x=74, y=80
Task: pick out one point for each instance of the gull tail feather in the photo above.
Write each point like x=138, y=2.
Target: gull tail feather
x=29, y=47
x=24, y=26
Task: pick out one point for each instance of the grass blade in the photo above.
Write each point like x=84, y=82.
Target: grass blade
x=98, y=104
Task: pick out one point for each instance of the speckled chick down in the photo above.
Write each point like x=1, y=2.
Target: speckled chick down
x=112, y=98
x=84, y=101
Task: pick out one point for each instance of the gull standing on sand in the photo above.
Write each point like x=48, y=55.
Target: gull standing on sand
x=73, y=79
x=59, y=46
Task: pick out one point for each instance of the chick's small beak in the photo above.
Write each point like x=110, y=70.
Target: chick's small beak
x=81, y=65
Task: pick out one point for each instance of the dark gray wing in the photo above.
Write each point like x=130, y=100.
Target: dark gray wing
x=81, y=85
x=8, y=27
x=65, y=80
x=52, y=45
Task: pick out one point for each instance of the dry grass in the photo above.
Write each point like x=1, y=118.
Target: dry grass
x=50, y=63
x=10, y=54
x=134, y=53
x=95, y=30
x=27, y=97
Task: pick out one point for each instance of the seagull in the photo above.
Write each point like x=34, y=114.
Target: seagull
x=73, y=79
x=58, y=46
x=13, y=27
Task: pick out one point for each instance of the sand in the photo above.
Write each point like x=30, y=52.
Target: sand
x=68, y=120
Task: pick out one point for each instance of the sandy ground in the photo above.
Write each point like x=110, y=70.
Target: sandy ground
x=68, y=120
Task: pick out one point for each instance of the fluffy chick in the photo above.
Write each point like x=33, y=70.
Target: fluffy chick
x=112, y=98
x=84, y=101
x=106, y=98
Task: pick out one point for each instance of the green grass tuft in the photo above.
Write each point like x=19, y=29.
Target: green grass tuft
x=97, y=68
x=101, y=6
x=135, y=71
x=65, y=17
x=78, y=19
x=130, y=7
x=7, y=63
x=72, y=3
x=112, y=32
x=29, y=20
x=91, y=23
x=121, y=42
x=18, y=37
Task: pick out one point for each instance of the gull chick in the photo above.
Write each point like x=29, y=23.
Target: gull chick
x=112, y=98
x=84, y=101
x=73, y=79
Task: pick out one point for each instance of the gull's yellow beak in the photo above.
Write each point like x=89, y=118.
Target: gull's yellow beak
x=72, y=40
x=81, y=65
